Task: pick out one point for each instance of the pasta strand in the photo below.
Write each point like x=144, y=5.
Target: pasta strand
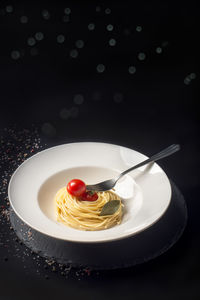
x=85, y=215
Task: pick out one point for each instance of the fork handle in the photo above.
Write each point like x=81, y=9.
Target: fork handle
x=164, y=153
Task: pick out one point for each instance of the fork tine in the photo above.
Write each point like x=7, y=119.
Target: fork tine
x=95, y=187
x=102, y=186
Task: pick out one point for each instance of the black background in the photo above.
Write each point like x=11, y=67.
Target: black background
x=148, y=110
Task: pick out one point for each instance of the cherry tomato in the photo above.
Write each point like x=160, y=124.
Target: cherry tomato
x=86, y=196
x=76, y=187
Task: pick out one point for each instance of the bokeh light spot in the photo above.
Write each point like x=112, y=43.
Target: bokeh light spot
x=91, y=26
x=78, y=99
x=31, y=41
x=138, y=28
x=98, y=9
x=46, y=14
x=192, y=76
x=79, y=44
x=141, y=56
x=73, y=53
x=64, y=114
x=60, y=38
x=107, y=11
x=15, y=54
x=132, y=69
x=24, y=19
x=67, y=11
x=109, y=27
x=9, y=8
x=39, y=36
x=100, y=68
x=112, y=42
x=159, y=50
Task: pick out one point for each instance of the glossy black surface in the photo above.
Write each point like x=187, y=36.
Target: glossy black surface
x=110, y=255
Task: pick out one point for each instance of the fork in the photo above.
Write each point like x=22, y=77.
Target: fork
x=110, y=183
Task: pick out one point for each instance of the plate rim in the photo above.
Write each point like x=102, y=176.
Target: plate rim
x=128, y=235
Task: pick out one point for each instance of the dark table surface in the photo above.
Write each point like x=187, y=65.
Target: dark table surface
x=107, y=71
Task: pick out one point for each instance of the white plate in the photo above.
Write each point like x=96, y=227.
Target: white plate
x=146, y=192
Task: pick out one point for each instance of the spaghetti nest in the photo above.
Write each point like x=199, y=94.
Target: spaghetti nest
x=85, y=215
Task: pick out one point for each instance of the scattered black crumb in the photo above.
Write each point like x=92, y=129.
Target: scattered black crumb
x=54, y=269
x=17, y=145
x=29, y=233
